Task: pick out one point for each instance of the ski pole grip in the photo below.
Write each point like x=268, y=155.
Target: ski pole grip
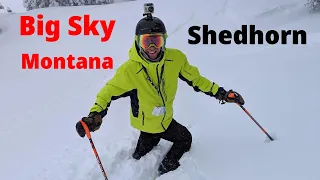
x=86, y=129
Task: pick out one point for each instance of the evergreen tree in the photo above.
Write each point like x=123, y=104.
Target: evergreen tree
x=36, y=4
x=1, y=6
x=313, y=5
x=9, y=10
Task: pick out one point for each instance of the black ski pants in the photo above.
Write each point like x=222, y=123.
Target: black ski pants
x=176, y=133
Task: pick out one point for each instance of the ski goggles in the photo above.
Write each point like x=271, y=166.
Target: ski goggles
x=149, y=40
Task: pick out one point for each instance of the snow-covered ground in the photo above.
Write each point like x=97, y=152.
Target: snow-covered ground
x=280, y=83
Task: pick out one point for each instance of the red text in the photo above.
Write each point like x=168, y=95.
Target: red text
x=30, y=25
x=89, y=27
x=35, y=62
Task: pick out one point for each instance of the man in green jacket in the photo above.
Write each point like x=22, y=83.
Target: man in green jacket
x=150, y=79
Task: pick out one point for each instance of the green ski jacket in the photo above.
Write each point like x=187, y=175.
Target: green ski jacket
x=151, y=85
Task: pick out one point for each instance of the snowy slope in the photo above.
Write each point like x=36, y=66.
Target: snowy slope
x=3, y=14
x=39, y=108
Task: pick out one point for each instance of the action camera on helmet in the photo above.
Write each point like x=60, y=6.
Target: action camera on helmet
x=150, y=24
x=148, y=9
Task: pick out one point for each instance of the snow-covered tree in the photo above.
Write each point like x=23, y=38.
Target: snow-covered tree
x=1, y=6
x=9, y=10
x=100, y=2
x=313, y=5
x=29, y=4
x=36, y=4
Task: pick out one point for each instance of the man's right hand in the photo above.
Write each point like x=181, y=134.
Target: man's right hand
x=93, y=121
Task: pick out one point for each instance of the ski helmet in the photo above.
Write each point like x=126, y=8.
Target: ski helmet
x=150, y=25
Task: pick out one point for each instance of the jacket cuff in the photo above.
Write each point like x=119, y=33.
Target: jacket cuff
x=221, y=93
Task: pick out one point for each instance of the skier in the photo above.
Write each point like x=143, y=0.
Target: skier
x=150, y=78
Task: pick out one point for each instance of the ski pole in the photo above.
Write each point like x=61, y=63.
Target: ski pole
x=93, y=148
x=246, y=111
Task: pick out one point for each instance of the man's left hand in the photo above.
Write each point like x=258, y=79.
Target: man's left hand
x=229, y=96
x=234, y=97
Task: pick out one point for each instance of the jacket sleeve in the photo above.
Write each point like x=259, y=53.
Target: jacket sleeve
x=191, y=75
x=117, y=87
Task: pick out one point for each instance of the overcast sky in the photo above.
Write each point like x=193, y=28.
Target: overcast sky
x=15, y=5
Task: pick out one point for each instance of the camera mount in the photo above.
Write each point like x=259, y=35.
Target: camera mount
x=148, y=10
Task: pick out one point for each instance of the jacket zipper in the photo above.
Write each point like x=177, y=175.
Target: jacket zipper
x=157, y=89
x=159, y=85
x=142, y=118
x=161, y=95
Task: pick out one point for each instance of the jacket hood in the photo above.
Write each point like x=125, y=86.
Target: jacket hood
x=134, y=56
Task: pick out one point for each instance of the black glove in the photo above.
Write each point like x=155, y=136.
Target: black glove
x=230, y=96
x=93, y=121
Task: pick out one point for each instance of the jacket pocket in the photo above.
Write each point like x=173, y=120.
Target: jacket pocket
x=142, y=118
